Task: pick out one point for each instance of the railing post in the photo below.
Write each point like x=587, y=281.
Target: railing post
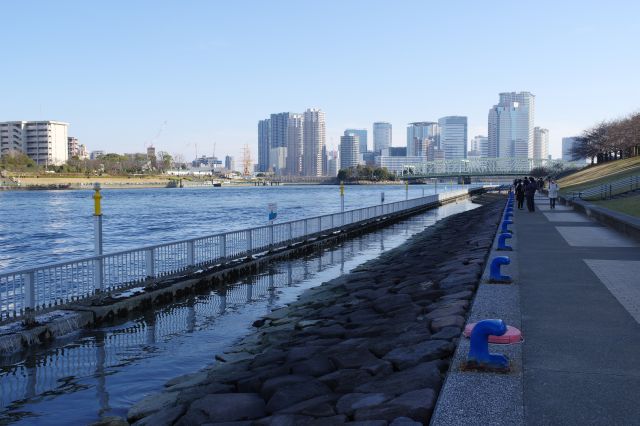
x=191, y=253
x=306, y=228
x=149, y=261
x=223, y=246
x=249, y=241
x=271, y=234
x=332, y=221
x=290, y=231
x=30, y=297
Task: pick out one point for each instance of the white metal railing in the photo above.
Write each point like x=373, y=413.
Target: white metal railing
x=608, y=190
x=42, y=287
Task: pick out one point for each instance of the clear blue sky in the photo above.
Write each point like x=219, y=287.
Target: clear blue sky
x=118, y=70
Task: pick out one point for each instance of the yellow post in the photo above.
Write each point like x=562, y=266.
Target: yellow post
x=98, y=271
x=406, y=189
x=342, y=196
x=97, y=210
x=341, y=188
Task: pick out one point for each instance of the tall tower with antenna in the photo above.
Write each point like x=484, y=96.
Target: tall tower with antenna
x=246, y=161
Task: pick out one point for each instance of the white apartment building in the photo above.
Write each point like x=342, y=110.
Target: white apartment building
x=540, y=143
x=511, y=126
x=45, y=142
x=73, y=146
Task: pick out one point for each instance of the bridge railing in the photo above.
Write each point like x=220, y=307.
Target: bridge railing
x=608, y=190
x=43, y=287
x=485, y=167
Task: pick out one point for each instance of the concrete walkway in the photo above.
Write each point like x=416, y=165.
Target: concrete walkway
x=580, y=311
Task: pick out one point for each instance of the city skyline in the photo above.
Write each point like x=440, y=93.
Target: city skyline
x=191, y=75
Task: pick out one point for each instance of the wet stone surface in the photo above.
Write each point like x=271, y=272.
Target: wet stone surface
x=371, y=347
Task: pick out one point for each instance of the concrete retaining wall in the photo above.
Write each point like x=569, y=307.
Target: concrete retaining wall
x=622, y=222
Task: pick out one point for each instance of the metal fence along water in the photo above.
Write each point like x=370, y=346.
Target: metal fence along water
x=43, y=287
x=608, y=190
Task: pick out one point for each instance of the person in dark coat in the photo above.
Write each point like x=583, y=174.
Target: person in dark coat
x=519, y=193
x=530, y=192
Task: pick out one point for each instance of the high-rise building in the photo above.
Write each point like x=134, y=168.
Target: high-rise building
x=229, y=164
x=568, y=144
x=540, y=143
x=45, y=142
x=511, y=125
x=382, y=132
x=394, y=152
x=362, y=136
x=264, y=130
x=333, y=163
x=278, y=159
x=285, y=138
x=422, y=137
x=314, y=151
x=349, y=151
x=453, y=137
x=479, y=147
x=295, y=147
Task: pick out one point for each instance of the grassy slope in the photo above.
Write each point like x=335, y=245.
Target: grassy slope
x=599, y=174
x=629, y=205
x=607, y=172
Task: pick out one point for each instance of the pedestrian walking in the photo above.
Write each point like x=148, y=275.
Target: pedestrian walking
x=553, y=193
x=519, y=193
x=530, y=192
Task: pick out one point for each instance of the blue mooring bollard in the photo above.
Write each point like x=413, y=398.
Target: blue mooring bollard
x=495, y=276
x=502, y=244
x=505, y=226
x=479, y=356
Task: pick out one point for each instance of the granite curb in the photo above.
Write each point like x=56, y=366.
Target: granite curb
x=481, y=398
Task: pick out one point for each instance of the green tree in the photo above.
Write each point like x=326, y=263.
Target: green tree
x=16, y=161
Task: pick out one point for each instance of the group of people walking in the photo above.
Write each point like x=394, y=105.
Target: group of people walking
x=526, y=188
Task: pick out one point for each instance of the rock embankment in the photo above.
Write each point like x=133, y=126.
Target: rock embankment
x=371, y=347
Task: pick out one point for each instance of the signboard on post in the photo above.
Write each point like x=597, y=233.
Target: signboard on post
x=273, y=211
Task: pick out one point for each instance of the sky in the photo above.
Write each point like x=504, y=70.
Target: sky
x=187, y=75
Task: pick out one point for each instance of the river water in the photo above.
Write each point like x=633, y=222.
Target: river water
x=39, y=227
x=103, y=371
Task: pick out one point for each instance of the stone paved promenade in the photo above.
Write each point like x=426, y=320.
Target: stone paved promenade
x=580, y=303
x=576, y=297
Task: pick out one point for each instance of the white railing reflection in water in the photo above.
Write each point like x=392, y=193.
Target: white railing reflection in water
x=61, y=283
x=43, y=373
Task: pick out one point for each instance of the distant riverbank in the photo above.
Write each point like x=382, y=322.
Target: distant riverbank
x=132, y=182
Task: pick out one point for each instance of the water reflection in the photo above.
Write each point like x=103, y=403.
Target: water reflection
x=103, y=371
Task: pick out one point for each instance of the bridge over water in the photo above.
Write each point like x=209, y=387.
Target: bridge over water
x=484, y=167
